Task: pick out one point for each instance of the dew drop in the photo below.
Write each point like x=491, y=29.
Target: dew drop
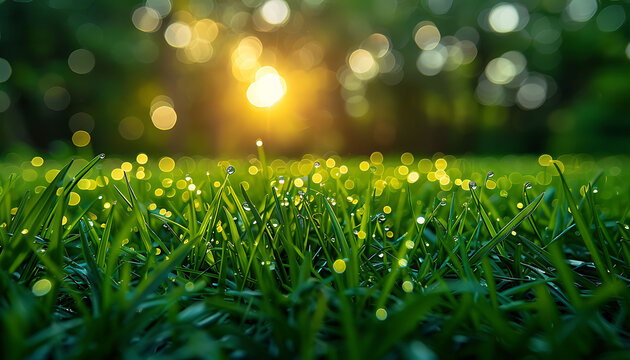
x=490, y=174
x=246, y=206
x=528, y=185
x=102, y=156
x=317, y=164
x=473, y=185
x=281, y=179
x=230, y=170
x=443, y=203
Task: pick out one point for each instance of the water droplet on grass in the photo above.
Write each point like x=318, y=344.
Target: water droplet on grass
x=281, y=179
x=317, y=164
x=473, y=185
x=230, y=170
x=246, y=206
x=528, y=185
x=490, y=174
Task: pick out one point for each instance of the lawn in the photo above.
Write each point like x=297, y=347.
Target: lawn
x=353, y=258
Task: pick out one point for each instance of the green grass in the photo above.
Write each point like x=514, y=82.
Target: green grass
x=288, y=259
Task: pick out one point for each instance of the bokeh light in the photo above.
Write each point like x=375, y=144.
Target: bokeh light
x=164, y=117
x=81, y=61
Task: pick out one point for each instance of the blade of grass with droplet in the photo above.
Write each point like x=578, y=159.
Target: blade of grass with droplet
x=532, y=219
x=582, y=226
x=16, y=252
x=511, y=225
x=484, y=215
x=346, y=251
x=102, y=246
x=140, y=219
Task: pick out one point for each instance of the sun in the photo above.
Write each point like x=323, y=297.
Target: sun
x=267, y=89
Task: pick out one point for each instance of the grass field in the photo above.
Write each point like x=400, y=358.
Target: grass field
x=353, y=258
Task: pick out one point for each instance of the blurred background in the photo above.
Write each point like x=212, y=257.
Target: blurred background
x=348, y=76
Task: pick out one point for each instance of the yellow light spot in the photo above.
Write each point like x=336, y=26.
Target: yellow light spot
x=413, y=177
x=164, y=117
x=107, y=205
x=440, y=164
x=503, y=18
x=491, y=184
x=178, y=34
x=387, y=209
x=74, y=199
x=406, y=158
x=361, y=234
x=349, y=184
x=81, y=138
x=152, y=206
x=364, y=166
x=259, y=143
x=298, y=182
x=181, y=184
x=545, y=160
x=519, y=205
x=425, y=165
x=253, y=170
x=64, y=220
x=42, y=287
x=140, y=175
x=268, y=88
x=166, y=164
x=24, y=231
x=159, y=192
x=146, y=19
x=142, y=158
x=158, y=251
x=339, y=266
x=126, y=166
x=37, y=161
x=513, y=233
x=409, y=244
x=275, y=12
x=466, y=185
x=361, y=61
x=444, y=180
x=381, y=314
x=317, y=178
x=192, y=187
x=117, y=174
x=402, y=263
x=427, y=35
x=343, y=169
x=407, y=286
x=376, y=158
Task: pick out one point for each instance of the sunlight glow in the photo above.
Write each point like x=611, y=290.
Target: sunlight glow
x=268, y=88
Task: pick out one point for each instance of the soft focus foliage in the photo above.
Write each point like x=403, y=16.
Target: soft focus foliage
x=209, y=76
